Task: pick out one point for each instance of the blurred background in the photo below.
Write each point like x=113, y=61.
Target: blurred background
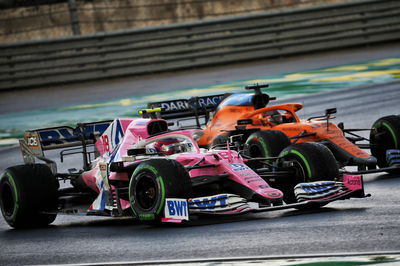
x=64, y=61
x=49, y=42
x=43, y=19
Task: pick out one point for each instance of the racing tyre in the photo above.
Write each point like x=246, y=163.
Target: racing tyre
x=385, y=135
x=311, y=162
x=268, y=143
x=28, y=196
x=152, y=182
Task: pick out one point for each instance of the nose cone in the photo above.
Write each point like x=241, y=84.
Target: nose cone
x=270, y=193
x=270, y=196
x=370, y=161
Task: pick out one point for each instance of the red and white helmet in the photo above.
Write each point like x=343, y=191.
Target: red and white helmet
x=167, y=146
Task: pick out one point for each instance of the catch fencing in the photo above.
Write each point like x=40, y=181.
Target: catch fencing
x=196, y=44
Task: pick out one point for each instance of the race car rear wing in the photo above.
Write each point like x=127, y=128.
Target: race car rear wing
x=35, y=142
x=194, y=106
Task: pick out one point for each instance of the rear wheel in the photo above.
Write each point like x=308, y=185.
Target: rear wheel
x=262, y=144
x=311, y=162
x=152, y=182
x=385, y=135
x=28, y=195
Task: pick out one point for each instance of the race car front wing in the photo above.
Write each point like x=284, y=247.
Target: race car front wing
x=309, y=195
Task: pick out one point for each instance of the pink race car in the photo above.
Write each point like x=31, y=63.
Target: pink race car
x=138, y=167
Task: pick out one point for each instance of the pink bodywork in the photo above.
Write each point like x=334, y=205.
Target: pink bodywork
x=114, y=147
x=231, y=163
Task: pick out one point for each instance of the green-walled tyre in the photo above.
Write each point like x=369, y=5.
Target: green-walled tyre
x=263, y=144
x=385, y=135
x=311, y=162
x=28, y=196
x=152, y=182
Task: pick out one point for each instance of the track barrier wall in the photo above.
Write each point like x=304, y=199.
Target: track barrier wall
x=196, y=44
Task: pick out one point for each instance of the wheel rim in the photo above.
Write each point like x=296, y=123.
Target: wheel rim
x=381, y=141
x=146, y=192
x=255, y=151
x=385, y=139
x=7, y=200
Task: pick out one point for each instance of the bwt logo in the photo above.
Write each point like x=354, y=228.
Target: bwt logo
x=210, y=203
x=177, y=209
x=317, y=187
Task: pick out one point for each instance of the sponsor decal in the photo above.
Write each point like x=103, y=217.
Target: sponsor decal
x=208, y=101
x=317, y=187
x=32, y=140
x=65, y=135
x=209, y=202
x=274, y=194
x=239, y=167
x=146, y=217
x=176, y=209
x=151, y=151
x=252, y=175
x=112, y=136
x=106, y=143
x=103, y=166
x=183, y=105
x=179, y=105
x=353, y=182
x=318, y=190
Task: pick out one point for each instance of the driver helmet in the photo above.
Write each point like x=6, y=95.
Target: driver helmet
x=272, y=116
x=168, y=146
x=276, y=119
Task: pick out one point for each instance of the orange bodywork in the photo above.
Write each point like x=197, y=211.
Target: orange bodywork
x=226, y=118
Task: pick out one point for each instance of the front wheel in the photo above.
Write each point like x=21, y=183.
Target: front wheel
x=385, y=135
x=152, y=182
x=263, y=144
x=310, y=162
x=28, y=196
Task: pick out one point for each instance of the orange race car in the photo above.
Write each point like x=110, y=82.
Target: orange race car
x=266, y=130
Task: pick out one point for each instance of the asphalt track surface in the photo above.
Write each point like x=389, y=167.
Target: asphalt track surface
x=357, y=225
